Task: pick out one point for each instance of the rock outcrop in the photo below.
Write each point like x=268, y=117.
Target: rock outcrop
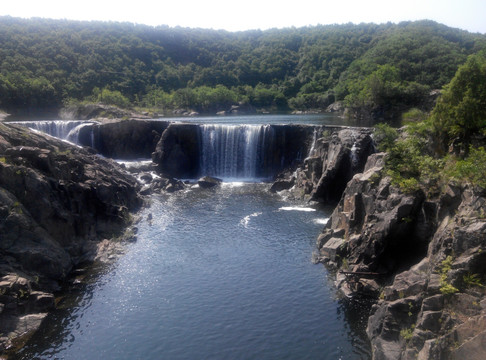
x=422, y=259
x=57, y=201
x=126, y=139
x=208, y=182
x=177, y=151
x=337, y=153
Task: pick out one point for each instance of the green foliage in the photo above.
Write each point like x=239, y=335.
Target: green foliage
x=472, y=280
x=461, y=110
x=472, y=169
x=403, y=163
x=45, y=62
x=413, y=115
x=385, y=136
x=109, y=97
x=446, y=288
x=407, y=333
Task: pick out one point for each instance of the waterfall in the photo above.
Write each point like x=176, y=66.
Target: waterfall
x=314, y=142
x=234, y=151
x=73, y=135
x=61, y=129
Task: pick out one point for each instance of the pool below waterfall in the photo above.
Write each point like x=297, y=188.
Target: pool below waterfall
x=222, y=273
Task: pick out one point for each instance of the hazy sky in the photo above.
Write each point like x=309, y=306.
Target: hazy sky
x=255, y=14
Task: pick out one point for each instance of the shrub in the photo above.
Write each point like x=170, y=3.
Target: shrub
x=446, y=288
x=413, y=115
x=385, y=136
x=472, y=169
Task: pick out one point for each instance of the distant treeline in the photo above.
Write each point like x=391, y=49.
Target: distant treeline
x=47, y=63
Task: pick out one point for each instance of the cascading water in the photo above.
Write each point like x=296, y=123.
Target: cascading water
x=61, y=129
x=313, y=145
x=73, y=135
x=234, y=151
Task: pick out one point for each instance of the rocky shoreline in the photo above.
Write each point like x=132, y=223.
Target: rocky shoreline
x=421, y=259
x=58, y=206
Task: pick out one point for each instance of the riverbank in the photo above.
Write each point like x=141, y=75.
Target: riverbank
x=421, y=258
x=59, y=205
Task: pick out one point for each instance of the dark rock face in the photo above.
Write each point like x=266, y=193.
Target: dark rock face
x=336, y=155
x=128, y=139
x=421, y=254
x=177, y=152
x=56, y=202
x=289, y=148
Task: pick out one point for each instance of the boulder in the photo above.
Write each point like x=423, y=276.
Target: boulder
x=207, y=182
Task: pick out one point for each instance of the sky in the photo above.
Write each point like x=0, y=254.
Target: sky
x=255, y=14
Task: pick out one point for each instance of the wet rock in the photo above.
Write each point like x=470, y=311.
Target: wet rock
x=169, y=185
x=426, y=307
x=282, y=184
x=207, y=182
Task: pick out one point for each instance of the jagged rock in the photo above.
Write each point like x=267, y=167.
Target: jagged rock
x=334, y=159
x=146, y=177
x=335, y=107
x=473, y=349
x=406, y=238
x=169, y=185
x=282, y=184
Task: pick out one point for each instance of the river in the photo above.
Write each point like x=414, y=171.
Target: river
x=222, y=273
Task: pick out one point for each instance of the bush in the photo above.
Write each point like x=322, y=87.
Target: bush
x=413, y=115
x=472, y=169
x=110, y=97
x=385, y=136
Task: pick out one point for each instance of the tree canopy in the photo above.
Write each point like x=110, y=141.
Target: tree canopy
x=44, y=63
x=461, y=110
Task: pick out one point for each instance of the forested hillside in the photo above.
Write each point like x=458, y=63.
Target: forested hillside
x=45, y=63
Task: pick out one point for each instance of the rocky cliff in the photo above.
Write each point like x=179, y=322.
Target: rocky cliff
x=335, y=155
x=422, y=259
x=57, y=202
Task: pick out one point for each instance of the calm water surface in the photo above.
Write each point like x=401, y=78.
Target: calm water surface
x=274, y=119
x=217, y=274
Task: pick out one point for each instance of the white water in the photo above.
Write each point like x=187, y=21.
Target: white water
x=61, y=129
x=233, y=151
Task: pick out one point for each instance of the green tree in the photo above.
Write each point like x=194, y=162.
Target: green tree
x=460, y=112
